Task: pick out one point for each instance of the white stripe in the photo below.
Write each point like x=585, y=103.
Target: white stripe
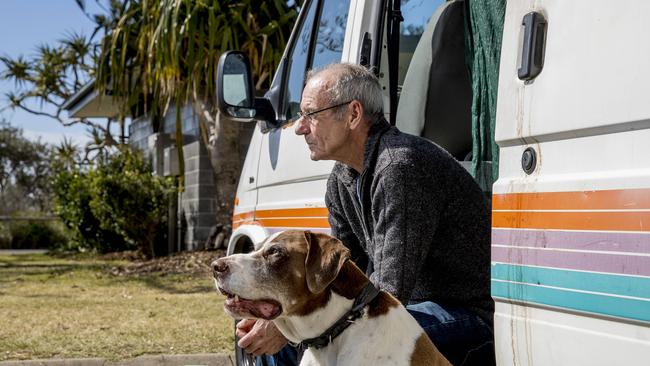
x=283, y=228
x=575, y=290
x=632, y=254
x=573, y=231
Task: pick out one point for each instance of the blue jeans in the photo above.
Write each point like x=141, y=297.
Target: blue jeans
x=288, y=356
x=460, y=335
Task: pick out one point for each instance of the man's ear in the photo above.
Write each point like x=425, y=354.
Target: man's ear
x=356, y=114
x=325, y=257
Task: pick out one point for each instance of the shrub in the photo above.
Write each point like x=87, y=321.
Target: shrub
x=72, y=195
x=34, y=235
x=130, y=201
x=5, y=236
x=115, y=206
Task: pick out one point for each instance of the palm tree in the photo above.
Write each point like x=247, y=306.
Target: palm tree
x=52, y=76
x=165, y=52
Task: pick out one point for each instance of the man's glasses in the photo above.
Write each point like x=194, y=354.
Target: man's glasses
x=308, y=116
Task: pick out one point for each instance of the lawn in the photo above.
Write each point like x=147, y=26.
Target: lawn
x=95, y=307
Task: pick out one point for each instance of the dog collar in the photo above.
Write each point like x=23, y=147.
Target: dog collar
x=368, y=293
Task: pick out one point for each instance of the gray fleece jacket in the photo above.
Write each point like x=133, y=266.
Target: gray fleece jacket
x=422, y=221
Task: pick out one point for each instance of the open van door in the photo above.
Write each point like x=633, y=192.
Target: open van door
x=571, y=207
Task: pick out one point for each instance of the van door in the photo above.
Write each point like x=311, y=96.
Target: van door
x=291, y=187
x=571, y=207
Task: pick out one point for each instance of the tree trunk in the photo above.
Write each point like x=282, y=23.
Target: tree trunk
x=223, y=149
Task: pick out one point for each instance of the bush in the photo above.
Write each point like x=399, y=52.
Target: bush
x=5, y=236
x=116, y=206
x=72, y=195
x=30, y=235
x=130, y=201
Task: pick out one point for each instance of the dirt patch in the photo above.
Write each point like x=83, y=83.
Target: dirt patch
x=195, y=263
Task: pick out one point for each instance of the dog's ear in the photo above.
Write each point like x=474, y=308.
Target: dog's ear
x=325, y=257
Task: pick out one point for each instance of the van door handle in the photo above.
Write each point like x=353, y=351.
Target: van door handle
x=532, y=52
x=251, y=180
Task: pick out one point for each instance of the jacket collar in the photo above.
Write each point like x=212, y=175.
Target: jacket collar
x=377, y=129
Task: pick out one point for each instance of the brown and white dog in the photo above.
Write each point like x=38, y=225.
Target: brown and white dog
x=305, y=283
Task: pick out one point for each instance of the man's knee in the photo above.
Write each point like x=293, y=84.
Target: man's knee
x=460, y=335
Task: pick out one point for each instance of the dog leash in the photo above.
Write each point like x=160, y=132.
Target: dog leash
x=368, y=293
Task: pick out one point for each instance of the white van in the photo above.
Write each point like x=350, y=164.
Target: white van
x=569, y=146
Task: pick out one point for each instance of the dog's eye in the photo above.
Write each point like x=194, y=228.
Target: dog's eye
x=273, y=251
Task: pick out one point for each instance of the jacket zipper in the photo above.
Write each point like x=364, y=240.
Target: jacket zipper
x=360, y=210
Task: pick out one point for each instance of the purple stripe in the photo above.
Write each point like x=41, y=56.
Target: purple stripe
x=581, y=240
x=609, y=263
x=273, y=230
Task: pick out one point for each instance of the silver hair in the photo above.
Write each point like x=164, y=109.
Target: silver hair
x=353, y=82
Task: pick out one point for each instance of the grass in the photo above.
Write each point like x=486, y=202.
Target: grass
x=70, y=308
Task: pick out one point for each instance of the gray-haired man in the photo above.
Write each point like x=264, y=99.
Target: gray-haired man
x=405, y=207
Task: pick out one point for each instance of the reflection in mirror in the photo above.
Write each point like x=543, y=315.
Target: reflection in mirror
x=241, y=112
x=236, y=83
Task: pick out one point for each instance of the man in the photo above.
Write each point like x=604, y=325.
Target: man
x=405, y=207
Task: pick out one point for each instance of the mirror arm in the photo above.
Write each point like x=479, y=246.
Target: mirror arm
x=264, y=111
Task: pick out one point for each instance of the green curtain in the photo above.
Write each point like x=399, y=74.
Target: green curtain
x=483, y=31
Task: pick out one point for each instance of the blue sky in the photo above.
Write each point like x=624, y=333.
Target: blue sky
x=24, y=24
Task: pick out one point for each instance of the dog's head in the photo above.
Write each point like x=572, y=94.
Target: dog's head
x=288, y=275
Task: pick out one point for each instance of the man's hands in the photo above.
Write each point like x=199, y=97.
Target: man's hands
x=259, y=337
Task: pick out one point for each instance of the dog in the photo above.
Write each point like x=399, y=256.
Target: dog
x=323, y=303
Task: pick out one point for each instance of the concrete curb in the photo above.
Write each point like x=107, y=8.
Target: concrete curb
x=200, y=359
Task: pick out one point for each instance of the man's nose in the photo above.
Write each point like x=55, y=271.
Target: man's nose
x=219, y=267
x=302, y=127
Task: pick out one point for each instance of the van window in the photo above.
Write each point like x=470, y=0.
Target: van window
x=416, y=15
x=327, y=47
x=298, y=65
x=331, y=32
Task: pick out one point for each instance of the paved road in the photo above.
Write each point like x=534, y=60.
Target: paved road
x=207, y=359
x=21, y=251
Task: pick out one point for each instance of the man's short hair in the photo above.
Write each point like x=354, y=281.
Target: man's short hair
x=353, y=82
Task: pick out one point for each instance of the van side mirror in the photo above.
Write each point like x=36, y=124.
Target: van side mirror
x=235, y=92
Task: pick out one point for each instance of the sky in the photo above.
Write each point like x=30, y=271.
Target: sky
x=24, y=24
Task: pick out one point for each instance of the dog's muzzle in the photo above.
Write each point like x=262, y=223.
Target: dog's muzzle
x=235, y=304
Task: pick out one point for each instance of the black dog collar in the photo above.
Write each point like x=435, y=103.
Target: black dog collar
x=368, y=294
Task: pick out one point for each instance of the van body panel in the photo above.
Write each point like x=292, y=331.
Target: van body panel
x=528, y=335
x=571, y=240
x=363, y=18
x=243, y=223
x=595, y=77
x=246, y=197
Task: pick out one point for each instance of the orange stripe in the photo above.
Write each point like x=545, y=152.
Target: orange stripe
x=586, y=200
x=315, y=217
x=296, y=222
x=614, y=221
x=294, y=212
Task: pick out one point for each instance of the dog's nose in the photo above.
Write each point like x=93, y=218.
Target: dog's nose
x=219, y=267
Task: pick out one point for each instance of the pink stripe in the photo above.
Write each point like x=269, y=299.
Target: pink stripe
x=605, y=262
x=581, y=240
